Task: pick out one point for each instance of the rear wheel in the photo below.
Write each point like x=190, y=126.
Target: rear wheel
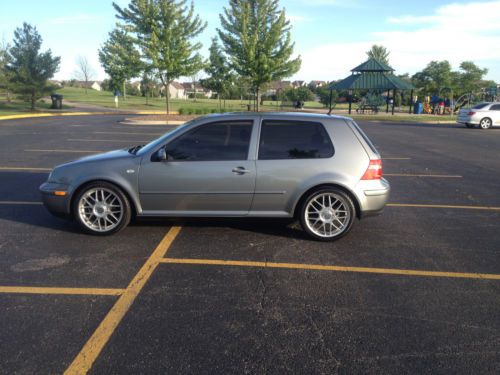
x=101, y=208
x=469, y=125
x=327, y=214
x=485, y=123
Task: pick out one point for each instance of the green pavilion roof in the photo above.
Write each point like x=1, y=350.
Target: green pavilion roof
x=373, y=65
x=372, y=75
x=372, y=81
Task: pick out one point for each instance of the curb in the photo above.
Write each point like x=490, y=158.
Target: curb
x=151, y=123
x=35, y=115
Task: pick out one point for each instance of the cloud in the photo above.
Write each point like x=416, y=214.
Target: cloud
x=454, y=32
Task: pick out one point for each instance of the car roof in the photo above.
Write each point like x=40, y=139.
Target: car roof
x=298, y=115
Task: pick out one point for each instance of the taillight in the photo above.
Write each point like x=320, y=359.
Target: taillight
x=374, y=170
x=471, y=113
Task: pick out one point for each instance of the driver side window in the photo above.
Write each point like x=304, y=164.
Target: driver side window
x=218, y=141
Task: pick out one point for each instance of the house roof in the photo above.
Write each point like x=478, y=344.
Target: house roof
x=280, y=85
x=177, y=85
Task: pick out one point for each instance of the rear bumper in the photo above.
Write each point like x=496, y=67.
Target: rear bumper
x=467, y=120
x=372, y=196
x=57, y=205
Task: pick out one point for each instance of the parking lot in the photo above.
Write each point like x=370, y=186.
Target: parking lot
x=414, y=290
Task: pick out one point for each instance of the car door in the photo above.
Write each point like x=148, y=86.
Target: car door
x=207, y=172
x=495, y=114
x=291, y=152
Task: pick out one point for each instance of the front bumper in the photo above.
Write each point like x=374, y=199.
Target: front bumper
x=372, y=196
x=56, y=204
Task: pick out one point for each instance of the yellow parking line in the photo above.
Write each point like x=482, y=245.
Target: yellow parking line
x=90, y=351
x=484, y=208
x=28, y=169
x=67, y=151
x=422, y=175
x=104, y=140
x=318, y=267
x=56, y=290
x=22, y=203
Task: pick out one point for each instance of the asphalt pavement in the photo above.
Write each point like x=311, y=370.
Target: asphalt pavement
x=415, y=290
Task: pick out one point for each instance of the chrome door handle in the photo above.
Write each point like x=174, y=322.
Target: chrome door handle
x=240, y=170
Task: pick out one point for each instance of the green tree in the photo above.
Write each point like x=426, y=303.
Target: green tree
x=4, y=72
x=436, y=76
x=120, y=59
x=470, y=77
x=164, y=30
x=256, y=37
x=379, y=53
x=303, y=94
x=29, y=68
x=324, y=95
x=220, y=77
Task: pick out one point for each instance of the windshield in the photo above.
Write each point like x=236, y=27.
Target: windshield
x=160, y=141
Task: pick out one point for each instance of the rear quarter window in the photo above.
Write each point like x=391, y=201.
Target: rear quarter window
x=480, y=106
x=365, y=137
x=282, y=139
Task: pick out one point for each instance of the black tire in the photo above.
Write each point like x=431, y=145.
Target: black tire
x=470, y=126
x=485, y=123
x=329, y=218
x=82, y=211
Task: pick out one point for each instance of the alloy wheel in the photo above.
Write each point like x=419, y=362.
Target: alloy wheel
x=100, y=209
x=327, y=215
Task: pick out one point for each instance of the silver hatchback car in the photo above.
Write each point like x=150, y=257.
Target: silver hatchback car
x=486, y=115
x=322, y=170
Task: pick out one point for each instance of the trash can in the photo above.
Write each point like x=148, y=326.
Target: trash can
x=56, y=101
x=418, y=108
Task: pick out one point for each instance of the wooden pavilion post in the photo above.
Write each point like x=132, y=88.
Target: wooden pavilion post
x=393, y=100
x=411, y=102
x=331, y=99
x=387, y=101
x=349, y=93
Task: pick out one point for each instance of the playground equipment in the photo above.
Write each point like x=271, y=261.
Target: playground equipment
x=466, y=99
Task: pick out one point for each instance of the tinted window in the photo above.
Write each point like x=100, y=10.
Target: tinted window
x=480, y=106
x=294, y=140
x=215, y=141
x=495, y=107
x=365, y=137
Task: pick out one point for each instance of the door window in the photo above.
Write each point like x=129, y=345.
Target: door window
x=294, y=140
x=495, y=107
x=229, y=140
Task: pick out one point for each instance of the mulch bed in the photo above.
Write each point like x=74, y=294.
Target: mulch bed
x=165, y=117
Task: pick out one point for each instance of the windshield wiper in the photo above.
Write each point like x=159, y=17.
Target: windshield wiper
x=133, y=150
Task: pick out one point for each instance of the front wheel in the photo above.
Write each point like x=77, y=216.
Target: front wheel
x=327, y=214
x=101, y=208
x=485, y=123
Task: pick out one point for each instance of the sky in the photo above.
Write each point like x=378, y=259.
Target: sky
x=331, y=36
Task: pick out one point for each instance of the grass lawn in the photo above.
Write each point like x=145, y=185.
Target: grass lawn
x=17, y=107
x=137, y=103
x=106, y=99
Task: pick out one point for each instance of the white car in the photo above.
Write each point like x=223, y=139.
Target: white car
x=486, y=115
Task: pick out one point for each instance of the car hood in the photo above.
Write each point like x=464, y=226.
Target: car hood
x=106, y=156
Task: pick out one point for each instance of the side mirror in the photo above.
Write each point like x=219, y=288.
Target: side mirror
x=161, y=154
